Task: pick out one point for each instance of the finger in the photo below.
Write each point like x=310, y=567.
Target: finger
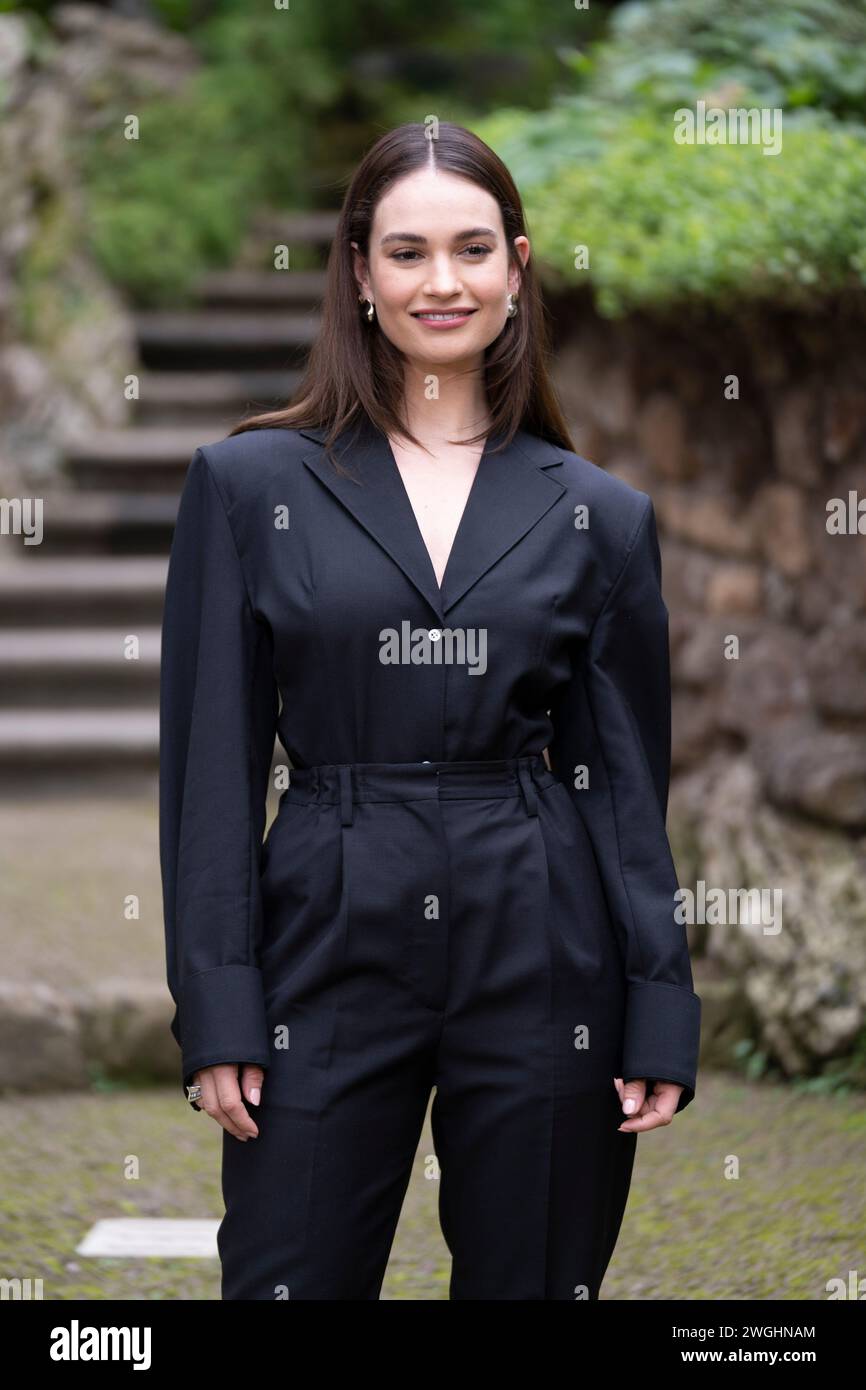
x=234, y=1115
x=620, y=1088
x=632, y=1096
x=659, y=1110
x=252, y=1079
x=212, y=1078
x=651, y=1120
x=209, y=1100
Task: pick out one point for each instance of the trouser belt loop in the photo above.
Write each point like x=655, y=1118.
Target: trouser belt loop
x=345, y=794
x=527, y=786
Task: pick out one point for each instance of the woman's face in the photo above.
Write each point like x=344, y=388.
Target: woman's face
x=437, y=243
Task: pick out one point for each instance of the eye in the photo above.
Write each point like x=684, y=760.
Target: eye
x=407, y=255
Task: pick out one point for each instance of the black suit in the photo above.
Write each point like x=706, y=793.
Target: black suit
x=432, y=906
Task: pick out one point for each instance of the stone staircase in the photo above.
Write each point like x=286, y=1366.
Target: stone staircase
x=70, y=700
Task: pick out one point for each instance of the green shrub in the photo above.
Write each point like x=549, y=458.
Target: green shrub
x=161, y=207
x=789, y=53
x=727, y=224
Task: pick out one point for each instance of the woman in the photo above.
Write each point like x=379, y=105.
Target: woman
x=413, y=559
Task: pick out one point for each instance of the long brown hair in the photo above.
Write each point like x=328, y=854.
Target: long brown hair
x=354, y=370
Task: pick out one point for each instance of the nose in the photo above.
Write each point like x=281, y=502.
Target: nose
x=442, y=280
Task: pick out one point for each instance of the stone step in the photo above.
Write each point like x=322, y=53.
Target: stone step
x=143, y=458
x=49, y=668
x=64, y=739
x=71, y=703
x=38, y=590
x=261, y=289
x=109, y=522
x=316, y=228
x=58, y=666
x=54, y=743
x=192, y=339
x=167, y=398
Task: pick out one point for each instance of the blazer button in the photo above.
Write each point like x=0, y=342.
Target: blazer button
x=434, y=634
x=425, y=762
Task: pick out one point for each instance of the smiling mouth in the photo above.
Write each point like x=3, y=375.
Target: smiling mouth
x=443, y=315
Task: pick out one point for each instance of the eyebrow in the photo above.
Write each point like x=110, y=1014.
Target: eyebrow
x=422, y=240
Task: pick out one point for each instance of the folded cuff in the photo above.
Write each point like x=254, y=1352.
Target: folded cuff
x=222, y=1019
x=662, y=1036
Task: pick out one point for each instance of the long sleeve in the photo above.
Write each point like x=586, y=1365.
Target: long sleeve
x=614, y=718
x=218, y=711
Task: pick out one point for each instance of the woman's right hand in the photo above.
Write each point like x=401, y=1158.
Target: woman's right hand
x=222, y=1096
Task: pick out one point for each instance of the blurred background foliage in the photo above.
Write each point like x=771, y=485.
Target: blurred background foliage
x=727, y=224
x=284, y=105
x=578, y=103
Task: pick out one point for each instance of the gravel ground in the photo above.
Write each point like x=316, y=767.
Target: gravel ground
x=793, y=1219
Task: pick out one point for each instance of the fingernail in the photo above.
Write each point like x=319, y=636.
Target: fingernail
x=255, y=1095
x=628, y=1107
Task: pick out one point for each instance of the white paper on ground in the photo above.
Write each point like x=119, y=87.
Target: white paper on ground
x=130, y=1238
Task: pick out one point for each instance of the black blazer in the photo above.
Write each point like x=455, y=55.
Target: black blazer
x=283, y=577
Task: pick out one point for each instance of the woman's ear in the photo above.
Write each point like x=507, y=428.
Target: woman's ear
x=360, y=270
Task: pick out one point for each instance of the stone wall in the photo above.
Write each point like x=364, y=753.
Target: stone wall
x=768, y=645
x=66, y=337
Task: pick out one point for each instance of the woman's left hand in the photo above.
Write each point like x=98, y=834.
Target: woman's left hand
x=649, y=1111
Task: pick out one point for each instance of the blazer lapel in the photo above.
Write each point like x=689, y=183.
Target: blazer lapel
x=510, y=493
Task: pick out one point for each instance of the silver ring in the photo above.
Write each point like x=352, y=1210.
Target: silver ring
x=193, y=1093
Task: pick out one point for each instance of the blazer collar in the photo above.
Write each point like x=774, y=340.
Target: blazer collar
x=511, y=492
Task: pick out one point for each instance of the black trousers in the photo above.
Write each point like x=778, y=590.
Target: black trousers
x=432, y=925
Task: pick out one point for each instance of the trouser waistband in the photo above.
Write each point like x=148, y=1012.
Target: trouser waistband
x=344, y=784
